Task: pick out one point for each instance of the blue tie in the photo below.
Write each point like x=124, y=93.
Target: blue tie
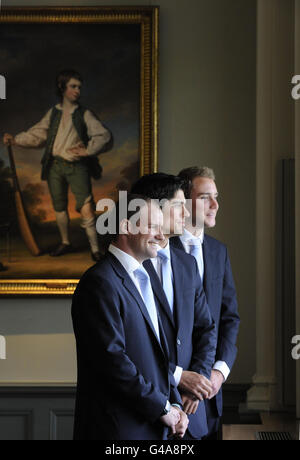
x=166, y=272
x=148, y=297
x=196, y=251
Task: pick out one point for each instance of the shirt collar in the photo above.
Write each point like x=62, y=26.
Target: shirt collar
x=59, y=107
x=188, y=238
x=129, y=263
x=165, y=250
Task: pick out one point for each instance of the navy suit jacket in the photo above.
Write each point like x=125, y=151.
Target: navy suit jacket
x=190, y=330
x=124, y=380
x=220, y=293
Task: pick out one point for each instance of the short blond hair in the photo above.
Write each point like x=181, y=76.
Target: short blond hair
x=189, y=174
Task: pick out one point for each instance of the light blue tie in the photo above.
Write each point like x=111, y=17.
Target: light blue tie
x=167, y=279
x=196, y=251
x=148, y=297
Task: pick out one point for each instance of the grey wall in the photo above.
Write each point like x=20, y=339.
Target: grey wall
x=207, y=116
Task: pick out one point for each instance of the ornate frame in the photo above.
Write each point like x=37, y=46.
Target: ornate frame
x=147, y=17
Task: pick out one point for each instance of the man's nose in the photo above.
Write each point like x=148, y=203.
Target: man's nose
x=160, y=235
x=214, y=203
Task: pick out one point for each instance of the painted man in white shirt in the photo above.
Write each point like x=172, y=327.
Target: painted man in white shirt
x=73, y=136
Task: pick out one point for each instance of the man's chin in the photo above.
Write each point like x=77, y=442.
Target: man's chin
x=151, y=254
x=210, y=223
x=152, y=251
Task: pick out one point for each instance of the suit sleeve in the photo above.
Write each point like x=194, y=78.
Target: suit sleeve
x=229, y=319
x=175, y=397
x=98, y=326
x=204, y=332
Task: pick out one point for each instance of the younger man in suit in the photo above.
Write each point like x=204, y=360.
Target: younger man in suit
x=73, y=137
x=125, y=390
x=185, y=315
x=215, y=271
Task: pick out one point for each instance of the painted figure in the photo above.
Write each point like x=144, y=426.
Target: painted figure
x=73, y=137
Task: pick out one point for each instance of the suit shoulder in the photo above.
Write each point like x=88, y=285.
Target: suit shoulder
x=214, y=243
x=100, y=272
x=183, y=256
x=186, y=262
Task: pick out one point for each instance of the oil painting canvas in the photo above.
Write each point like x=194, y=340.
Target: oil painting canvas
x=107, y=57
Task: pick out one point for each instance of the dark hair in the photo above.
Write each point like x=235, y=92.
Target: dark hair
x=63, y=78
x=189, y=174
x=158, y=186
x=120, y=206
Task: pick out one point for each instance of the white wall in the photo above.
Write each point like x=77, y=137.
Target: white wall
x=207, y=116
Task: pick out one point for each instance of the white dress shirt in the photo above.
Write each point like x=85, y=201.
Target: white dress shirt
x=67, y=136
x=128, y=262
x=187, y=238
x=157, y=262
x=157, y=265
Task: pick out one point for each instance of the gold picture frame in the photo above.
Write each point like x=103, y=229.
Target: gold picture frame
x=147, y=19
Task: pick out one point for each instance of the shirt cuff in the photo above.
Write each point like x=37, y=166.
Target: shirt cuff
x=177, y=405
x=177, y=374
x=223, y=368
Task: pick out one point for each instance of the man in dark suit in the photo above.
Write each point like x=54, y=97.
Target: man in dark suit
x=125, y=390
x=215, y=271
x=185, y=315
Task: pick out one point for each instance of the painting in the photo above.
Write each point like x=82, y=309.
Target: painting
x=114, y=52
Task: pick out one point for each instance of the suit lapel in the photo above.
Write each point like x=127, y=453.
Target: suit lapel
x=163, y=339
x=178, y=286
x=158, y=290
x=175, y=241
x=131, y=288
x=208, y=265
x=207, y=257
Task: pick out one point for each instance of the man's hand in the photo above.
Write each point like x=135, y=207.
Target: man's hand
x=171, y=419
x=217, y=380
x=8, y=139
x=190, y=403
x=196, y=384
x=182, y=425
x=79, y=150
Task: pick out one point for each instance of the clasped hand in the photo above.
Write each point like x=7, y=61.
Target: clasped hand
x=177, y=421
x=197, y=384
x=78, y=150
x=196, y=387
